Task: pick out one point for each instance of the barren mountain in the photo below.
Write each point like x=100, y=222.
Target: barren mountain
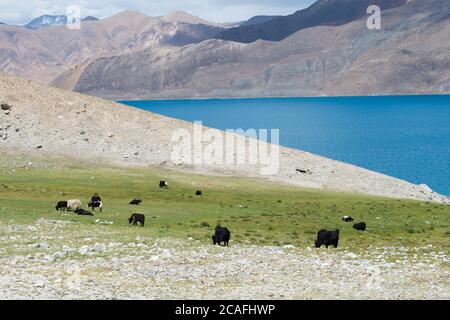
x=47, y=21
x=255, y=20
x=44, y=53
x=50, y=122
x=181, y=16
x=90, y=18
x=321, y=13
x=410, y=54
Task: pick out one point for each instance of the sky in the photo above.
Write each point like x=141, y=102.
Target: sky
x=23, y=11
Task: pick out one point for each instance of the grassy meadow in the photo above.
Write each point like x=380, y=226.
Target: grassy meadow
x=256, y=212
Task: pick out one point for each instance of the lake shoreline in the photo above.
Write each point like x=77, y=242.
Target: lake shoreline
x=219, y=98
x=46, y=122
x=401, y=136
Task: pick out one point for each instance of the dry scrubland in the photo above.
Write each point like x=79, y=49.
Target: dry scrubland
x=404, y=254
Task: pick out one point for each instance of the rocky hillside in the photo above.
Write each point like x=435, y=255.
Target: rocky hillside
x=411, y=54
x=48, y=122
x=44, y=53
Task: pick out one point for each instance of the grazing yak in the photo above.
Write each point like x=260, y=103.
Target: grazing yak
x=327, y=238
x=61, y=206
x=198, y=193
x=82, y=212
x=221, y=235
x=347, y=218
x=73, y=205
x=360, y=226
x=163, y=184
x=135, y=202
x=135, y=218
x=96, y=204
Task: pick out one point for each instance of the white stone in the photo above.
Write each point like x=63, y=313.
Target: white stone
x=83, y=250
x=40, y=283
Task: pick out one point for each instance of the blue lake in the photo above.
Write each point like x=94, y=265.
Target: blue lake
x=403, y=136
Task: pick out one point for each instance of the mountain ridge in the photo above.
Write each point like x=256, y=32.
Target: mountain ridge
x=182, y=16
x=257, y=20
x=41, y=54
x=410, y=55
x=46, y=20
x=321, y=13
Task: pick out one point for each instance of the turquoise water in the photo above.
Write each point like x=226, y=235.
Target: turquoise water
x=403, y=136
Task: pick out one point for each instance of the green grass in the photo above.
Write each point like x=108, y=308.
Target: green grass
x=255, y=212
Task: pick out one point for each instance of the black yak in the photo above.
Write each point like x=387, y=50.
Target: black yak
x=163, y=184
x=327, y=238
x=221, y=235
x=135, y=218
x=360, y=226
x=97, y=204
x=82, y=212
x=61, y=206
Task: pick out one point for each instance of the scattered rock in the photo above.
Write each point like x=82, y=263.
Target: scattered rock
x=41, y=245
x=99, y=247
x=425, y=188
x=40, y=283
x=304, y=171
x=83, y=250
x=5, y=107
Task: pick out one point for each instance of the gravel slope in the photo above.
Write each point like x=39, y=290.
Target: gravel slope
x=47, y=261
x=46, y=121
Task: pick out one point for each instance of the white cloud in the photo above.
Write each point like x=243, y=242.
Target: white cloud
x=22, y=11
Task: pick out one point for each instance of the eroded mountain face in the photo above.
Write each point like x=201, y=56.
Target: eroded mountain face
x=410, y=54
x=41, y=54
